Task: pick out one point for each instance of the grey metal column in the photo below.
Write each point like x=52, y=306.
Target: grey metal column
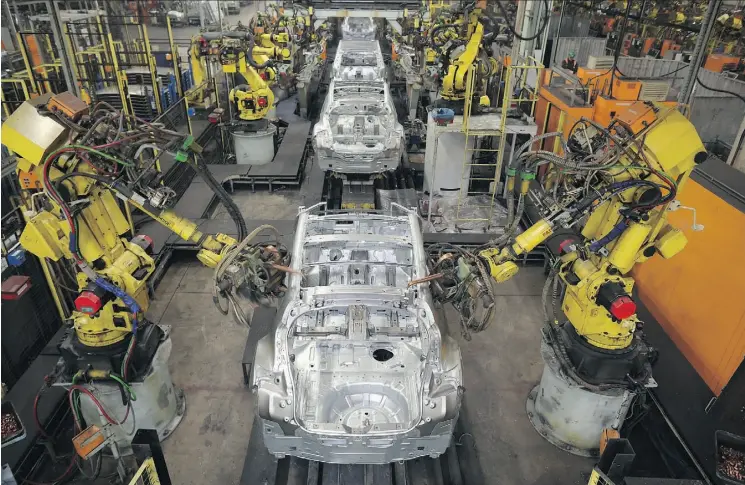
x=11, y=24
x=302, y=97
x=65, y=56
x=519, y=20
x=555, y=44
x=684, y=96
x=736, y=156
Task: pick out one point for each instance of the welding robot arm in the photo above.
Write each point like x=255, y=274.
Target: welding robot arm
x=613, y=220
x=71, y=185
x=476, y=31
x=255, y=99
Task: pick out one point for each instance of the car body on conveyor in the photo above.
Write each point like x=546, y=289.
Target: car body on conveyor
x=358, y=131
x=356, y=369
x=358, y=28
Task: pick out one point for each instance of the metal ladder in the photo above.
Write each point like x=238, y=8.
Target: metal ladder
x=513, y=76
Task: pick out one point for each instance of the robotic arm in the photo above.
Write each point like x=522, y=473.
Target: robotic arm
x=464, y=42
x=619, y=213
x=607, y=198
x=73, y=166
x=239, y=52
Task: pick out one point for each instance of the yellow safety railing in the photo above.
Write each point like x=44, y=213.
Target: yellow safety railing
x=7, y=103
x=147, y=474
x=492, y=140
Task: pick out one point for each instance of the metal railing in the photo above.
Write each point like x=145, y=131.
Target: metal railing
x=490, y=143
x=14, y=93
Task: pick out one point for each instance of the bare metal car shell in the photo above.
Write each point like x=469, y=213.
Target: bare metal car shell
x=357, y=370
x=358, y=28
x=358, y=131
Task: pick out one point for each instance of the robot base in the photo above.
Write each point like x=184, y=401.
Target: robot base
x=77, y=356
x=159, y=405
x=568, y=414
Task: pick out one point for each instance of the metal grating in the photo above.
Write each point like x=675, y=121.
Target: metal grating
x=654, y=90
x=600, y=62
x=141, y=75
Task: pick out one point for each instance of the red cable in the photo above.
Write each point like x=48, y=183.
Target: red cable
x=96, y=402
x=36, y=416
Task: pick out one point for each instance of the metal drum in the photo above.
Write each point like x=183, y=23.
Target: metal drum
x=254, y=147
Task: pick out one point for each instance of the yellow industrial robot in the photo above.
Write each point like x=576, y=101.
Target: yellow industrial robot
x=464, y=44
x=81, y=170
x=615, y=187
x=255, y=99
x=237, y=52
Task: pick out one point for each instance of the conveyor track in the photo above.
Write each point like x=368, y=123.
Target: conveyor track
x=261, y=468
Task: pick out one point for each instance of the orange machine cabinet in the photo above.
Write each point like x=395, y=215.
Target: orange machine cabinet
x=718, y=62
x=698, y=296
x=648, y=44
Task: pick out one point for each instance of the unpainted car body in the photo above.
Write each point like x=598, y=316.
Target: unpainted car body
x=358, y=28
x=357, y=369
x=358, y=130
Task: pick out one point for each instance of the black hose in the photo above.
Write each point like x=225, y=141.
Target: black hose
x=242, y=87
x=742, y=98
x=538, y=32
x=250, y=54
x=225, y=198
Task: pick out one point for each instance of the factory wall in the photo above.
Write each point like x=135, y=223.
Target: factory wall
x=644, y=67
x=572, y=25
x=583, y=48
x=716, y=118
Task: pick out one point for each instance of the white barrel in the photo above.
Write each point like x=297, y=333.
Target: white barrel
x=569, y=415
x=159, y=405
x=444, y=171
x=254, y=147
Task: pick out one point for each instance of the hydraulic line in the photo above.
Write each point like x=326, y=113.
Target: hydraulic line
x=223, y=196
x=250, y=57
x=534, y=139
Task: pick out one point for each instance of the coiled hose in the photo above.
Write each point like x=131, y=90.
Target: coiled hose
x=534, y=139
x=231, y=253
x=225, y=199
x=250, y=54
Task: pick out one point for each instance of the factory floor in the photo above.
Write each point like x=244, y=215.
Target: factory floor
x=501, y=365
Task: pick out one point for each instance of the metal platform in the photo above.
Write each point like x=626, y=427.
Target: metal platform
x=262, y=468
x=288, y=165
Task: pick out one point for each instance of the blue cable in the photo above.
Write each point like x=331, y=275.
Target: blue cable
x=611, y=236
x=128, y=300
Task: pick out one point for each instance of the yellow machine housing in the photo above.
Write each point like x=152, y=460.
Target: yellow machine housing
x=104, y=233
x=255, y=102
x=670, y=143
x=454, y=83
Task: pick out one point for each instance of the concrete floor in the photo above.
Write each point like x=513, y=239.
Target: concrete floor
x=501, y=365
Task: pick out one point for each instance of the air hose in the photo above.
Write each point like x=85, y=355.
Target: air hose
x=250, y=55
x=534, y=139
x=225, y=199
